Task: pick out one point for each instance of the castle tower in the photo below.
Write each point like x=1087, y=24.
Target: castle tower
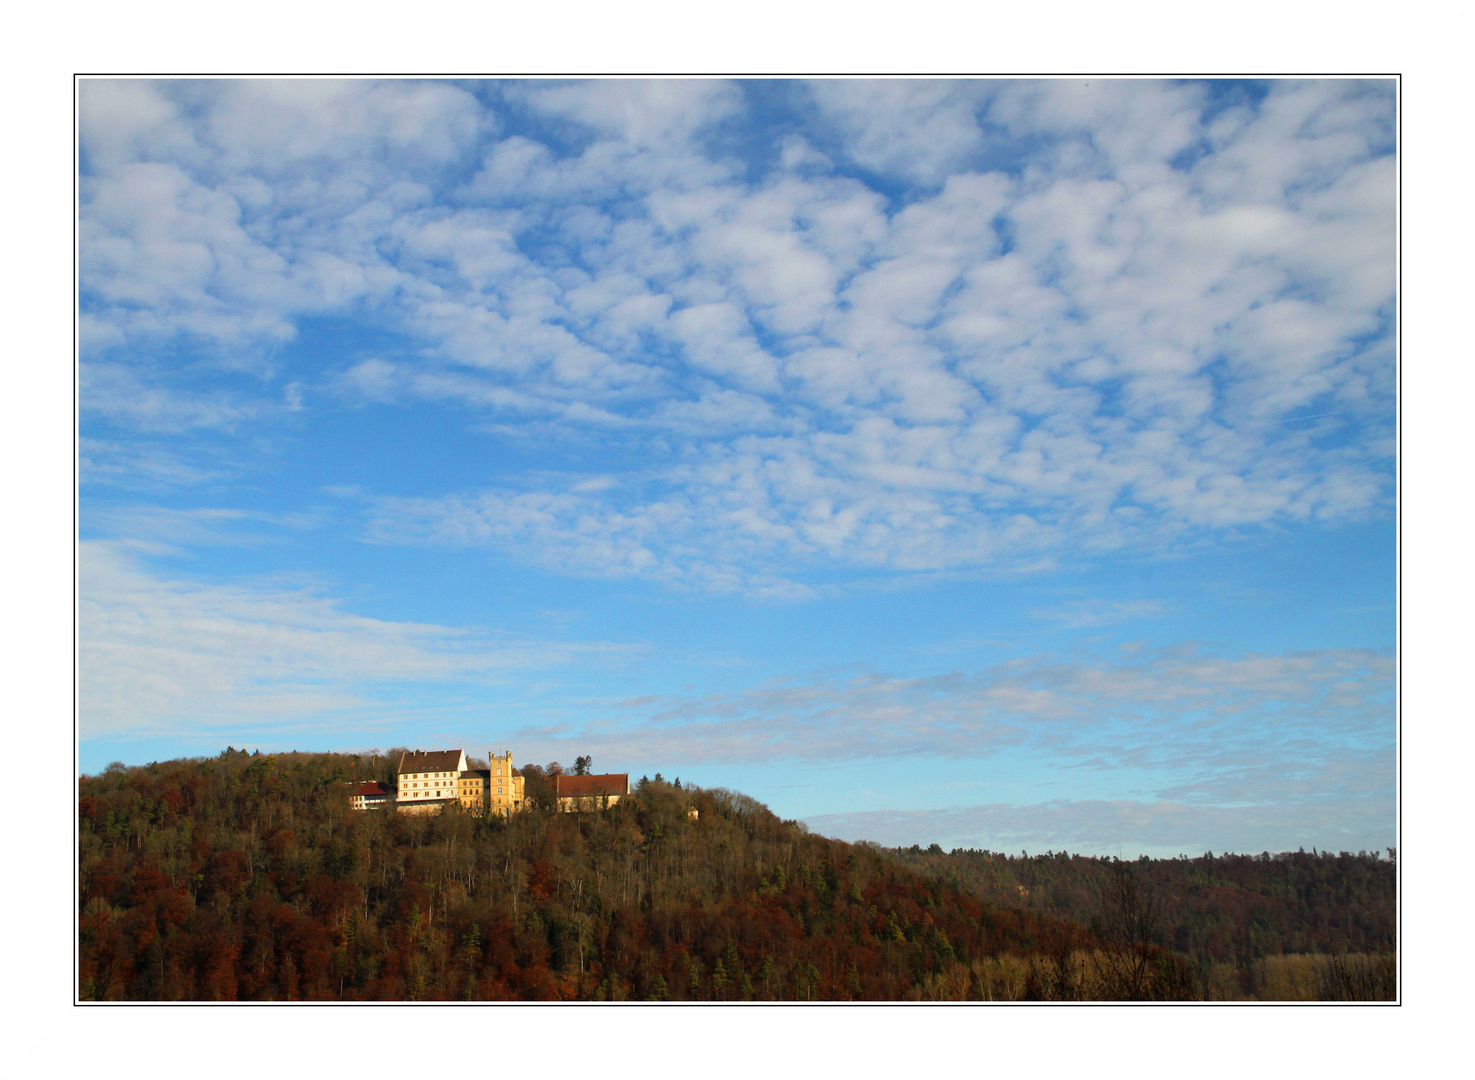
x=504, y=784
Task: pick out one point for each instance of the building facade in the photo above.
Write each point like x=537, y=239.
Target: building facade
x=595, y=791
x=429, y=780
x=496, y=789
x=472, y=791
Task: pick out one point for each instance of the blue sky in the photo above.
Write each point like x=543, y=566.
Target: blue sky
x=1004, y=464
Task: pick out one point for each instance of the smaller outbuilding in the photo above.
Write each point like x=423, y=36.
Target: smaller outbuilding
x=370, y=795
x=595, y=791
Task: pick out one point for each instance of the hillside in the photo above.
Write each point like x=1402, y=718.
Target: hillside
x=246, y=877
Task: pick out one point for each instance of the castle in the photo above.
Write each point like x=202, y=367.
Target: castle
x=427, y=781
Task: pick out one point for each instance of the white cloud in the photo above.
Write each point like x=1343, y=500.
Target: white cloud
x=271, y=126
x=1082, y=328
x=558, y=531
x=126, y=120
x=641, y=112
x=919, y=129
x=224, y=210
x=160, y=655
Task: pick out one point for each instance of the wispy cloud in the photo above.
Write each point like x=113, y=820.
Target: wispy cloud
x=573, y=533
x=1084, y=614
x=1204, y=728
x=161, y=528
x=1125, y=827
x=121, y=395
x=160, y=655
x=139, y=465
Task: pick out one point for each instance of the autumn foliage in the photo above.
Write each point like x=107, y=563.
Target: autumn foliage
x=247, y=877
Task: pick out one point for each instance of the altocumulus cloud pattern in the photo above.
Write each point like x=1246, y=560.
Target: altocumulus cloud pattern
x=930, y=325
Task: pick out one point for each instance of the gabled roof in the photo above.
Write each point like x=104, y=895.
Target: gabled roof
x=472, y=774
x=418, y=761
x=567, y=786
x=371, y=787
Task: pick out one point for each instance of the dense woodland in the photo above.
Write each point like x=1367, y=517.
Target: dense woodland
x=1250, y=925
x=247, y=877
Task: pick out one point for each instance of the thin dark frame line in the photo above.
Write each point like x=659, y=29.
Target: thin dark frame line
x=1398, y=530
x=622, y=75
x=76, y=556
x=1397, y=78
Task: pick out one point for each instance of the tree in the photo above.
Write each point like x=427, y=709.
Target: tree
x=582, y=765
x=1131, y=912
x=537, y=788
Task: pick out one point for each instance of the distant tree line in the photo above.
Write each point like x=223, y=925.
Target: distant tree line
x=1240, y=921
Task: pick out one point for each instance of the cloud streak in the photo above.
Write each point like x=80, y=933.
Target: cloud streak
x=1085, y=614
x=1193, y=727
x=1126, y=827
x=160, y=655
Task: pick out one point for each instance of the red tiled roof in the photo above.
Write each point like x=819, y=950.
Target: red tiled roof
x=568, y=786
x=371, y=787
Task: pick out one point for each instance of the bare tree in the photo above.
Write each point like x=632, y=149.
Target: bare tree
x=1130, y=914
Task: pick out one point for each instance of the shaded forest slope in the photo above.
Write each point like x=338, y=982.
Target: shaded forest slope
x=1232, y=917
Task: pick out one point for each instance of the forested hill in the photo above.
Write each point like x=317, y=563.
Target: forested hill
x=247, y=877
